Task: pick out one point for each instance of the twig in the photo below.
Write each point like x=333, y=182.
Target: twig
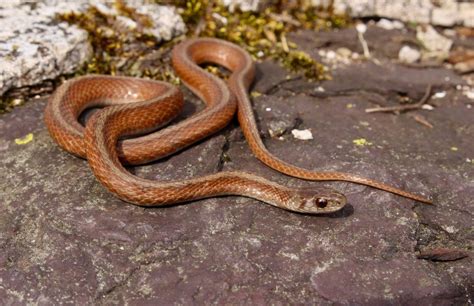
x=278, y=84
x=202, y=21
x=361, y=28
x=284, y=43
x=405, y=107
x=285, y=18
x=422, y=120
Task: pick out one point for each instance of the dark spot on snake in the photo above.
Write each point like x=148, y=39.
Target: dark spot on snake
x=321, y=203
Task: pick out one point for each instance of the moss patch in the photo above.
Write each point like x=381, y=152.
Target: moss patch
x=122, y=50
x=262, y=34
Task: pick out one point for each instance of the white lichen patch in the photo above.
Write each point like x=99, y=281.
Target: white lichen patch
x=290, y=256
x=450, y=229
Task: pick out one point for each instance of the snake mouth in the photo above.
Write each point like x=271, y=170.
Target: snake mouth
x=340, y=199
x=333, y=206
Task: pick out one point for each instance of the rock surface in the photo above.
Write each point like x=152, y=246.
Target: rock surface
x=442, y=13
x=35, y=50
x=40, y=48
x=437, y=12
x=65, y=239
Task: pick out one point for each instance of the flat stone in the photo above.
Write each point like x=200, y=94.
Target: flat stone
x=65, y=239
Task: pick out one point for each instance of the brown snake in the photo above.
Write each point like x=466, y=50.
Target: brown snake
x=138, y=106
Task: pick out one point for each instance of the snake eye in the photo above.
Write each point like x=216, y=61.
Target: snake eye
x=321, y=203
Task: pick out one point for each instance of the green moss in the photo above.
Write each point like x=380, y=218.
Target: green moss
x=121, y=50
x=296, y=61
x=263, y=34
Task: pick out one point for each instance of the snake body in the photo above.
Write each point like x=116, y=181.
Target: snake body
x=137, y=107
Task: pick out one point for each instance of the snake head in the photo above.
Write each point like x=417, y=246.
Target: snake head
x=318, y=201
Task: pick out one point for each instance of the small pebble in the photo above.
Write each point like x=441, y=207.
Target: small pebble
x=390, y=24
x=302, y=134
x=331, y=54
x=408, y=54
x=439, y=95
x=277, y=128
x=469, y=94
x=344, y=52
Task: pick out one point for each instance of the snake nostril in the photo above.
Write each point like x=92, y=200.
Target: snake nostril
x=321, y=203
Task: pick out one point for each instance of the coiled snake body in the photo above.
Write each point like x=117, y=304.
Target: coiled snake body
x=137, y=106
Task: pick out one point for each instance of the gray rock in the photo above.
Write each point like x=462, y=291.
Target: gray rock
x=167, y=23
x=390, y=24
x=35, y=50
x=277, y=128
x=443, y=13
x=437, y=46
x=39, y=48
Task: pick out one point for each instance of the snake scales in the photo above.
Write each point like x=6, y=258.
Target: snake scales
x=137, y=107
